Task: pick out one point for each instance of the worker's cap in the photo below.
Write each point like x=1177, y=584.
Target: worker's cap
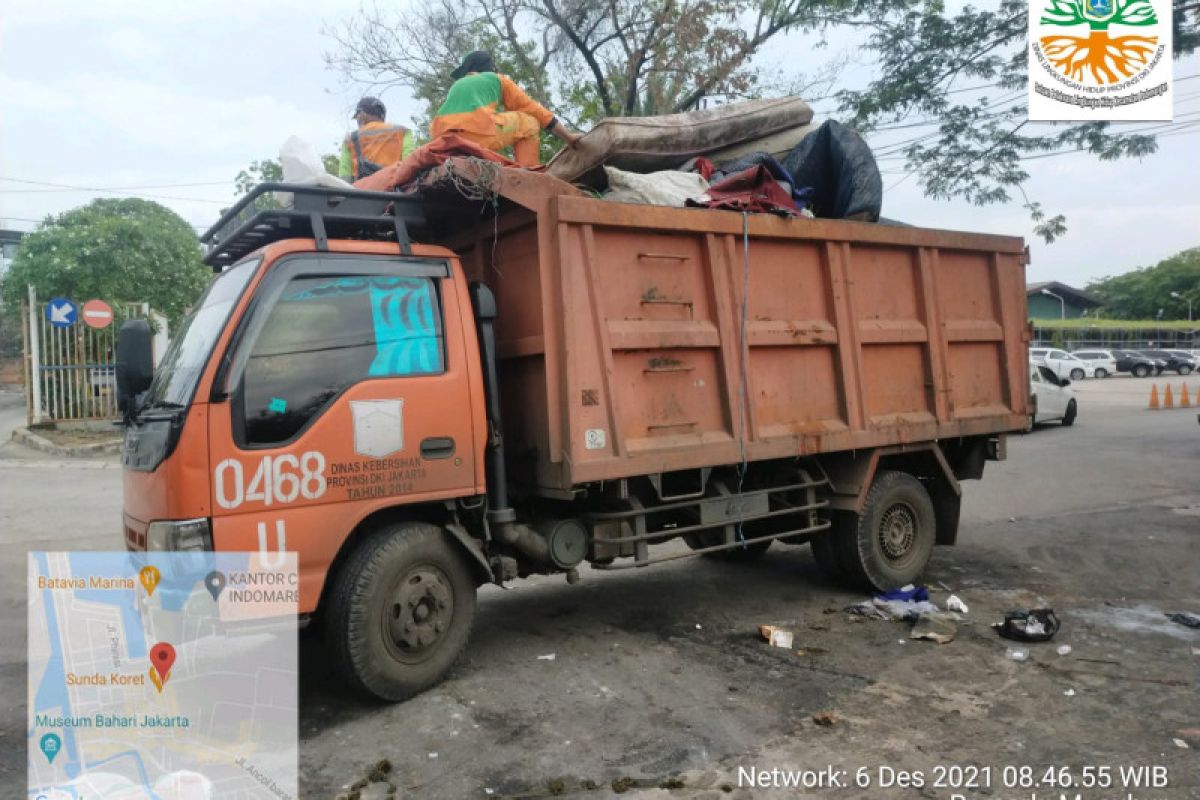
x=371, y=105
x=475, y=61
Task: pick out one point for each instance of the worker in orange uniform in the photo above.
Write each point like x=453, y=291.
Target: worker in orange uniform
x=491, y=110
x=375, y=144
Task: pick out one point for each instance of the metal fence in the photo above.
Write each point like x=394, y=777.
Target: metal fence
x=71, y=370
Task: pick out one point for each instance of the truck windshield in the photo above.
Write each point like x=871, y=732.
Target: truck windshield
x=180, y=368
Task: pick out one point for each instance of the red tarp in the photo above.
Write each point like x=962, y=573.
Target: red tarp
x=426, y=157
x=753, y=189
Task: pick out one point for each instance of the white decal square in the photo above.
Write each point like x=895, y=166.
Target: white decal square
x=378, y=427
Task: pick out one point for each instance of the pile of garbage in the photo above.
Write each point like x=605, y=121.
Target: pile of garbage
x=757, y=156
x=912, y=604
x=760, y=156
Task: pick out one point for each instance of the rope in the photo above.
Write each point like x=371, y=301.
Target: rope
x=481, y=187
x=742, y=389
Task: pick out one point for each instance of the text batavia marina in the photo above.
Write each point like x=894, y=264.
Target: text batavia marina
x=91, y=582
x=114, y=721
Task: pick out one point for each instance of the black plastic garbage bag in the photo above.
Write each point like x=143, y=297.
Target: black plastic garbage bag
x=1035, y=625
x=841, y=169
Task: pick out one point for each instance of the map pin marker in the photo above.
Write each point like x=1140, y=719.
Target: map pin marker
x=150, y=577
x=162, y=656
x=215, y=582
x=51, y=744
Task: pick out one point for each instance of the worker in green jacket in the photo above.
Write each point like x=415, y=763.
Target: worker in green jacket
x=490, y=109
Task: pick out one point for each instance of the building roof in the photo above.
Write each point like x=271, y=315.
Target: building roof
x=1069, y=293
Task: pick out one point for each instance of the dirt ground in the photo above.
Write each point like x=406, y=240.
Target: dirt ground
x=660, y=679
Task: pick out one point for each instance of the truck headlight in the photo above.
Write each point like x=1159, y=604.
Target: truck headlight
x=175, y=535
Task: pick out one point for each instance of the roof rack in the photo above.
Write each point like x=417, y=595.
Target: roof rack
x=317, y=212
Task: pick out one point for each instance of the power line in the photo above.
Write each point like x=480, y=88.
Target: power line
x=119, y=191
x=66, y=187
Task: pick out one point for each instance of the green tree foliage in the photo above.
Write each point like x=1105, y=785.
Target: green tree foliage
x=590, y=59
x=925, y=56
x=1141, y=293
x=121, y=251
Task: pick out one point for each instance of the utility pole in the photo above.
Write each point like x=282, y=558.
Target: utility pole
x=1061, y=302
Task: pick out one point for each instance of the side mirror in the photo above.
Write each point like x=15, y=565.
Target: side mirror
x=135, y=361
x=1064, y=382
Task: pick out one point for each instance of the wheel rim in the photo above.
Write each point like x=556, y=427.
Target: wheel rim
x=1076, y=374
x=418, y=613
x=898, y=532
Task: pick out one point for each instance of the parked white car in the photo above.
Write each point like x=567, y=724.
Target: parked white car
x=1063, y=363
x=1103, y=362
x=1053, y=397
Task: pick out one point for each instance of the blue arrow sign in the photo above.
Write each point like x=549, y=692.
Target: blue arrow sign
x=61, y=312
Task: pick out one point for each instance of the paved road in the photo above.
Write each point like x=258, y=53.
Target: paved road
x=660, y=675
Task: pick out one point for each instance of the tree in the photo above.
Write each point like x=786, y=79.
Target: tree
x=121, y=251
x=589, y=59
x=1168, y=285
x=595, y=58
x=926, y=57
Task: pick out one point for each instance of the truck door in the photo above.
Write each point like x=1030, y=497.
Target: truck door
x=348, y=391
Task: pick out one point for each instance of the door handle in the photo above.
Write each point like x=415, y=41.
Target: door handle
x=437, y=447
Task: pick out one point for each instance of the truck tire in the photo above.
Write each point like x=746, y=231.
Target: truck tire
x=400, y=611
x=889, y=544
x=825, y=548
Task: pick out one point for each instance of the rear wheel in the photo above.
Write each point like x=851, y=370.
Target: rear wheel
x=400, y=611
x=1141, y=371
x=1101, y=372
x=889, y=544
x=1077, y=374
x=825, y=546
x=1069, y=418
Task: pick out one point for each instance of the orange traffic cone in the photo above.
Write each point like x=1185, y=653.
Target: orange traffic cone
x=1184, y=400
x=1154, y=396
x=1168, y=400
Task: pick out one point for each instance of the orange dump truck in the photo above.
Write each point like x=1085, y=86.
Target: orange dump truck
x=562, y=380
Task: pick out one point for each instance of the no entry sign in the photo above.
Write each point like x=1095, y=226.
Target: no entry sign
x=97, y=314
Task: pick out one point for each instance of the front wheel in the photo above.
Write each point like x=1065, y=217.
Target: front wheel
x=1141, y=371
x=1077, y=374
x=889, y=543
x=1184, y=369
x=400, y=610
x=1069, y=418
x=1101, y=372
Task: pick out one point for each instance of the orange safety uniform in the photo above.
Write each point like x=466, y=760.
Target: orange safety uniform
x=492, y=111
x=373, y=146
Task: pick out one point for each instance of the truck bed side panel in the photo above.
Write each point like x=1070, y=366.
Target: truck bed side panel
x=626, y=347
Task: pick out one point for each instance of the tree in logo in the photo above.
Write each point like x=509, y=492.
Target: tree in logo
x=1099, y=58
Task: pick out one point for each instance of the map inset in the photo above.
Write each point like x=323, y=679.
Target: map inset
x=162, y=676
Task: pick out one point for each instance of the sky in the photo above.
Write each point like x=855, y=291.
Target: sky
x=170, y=101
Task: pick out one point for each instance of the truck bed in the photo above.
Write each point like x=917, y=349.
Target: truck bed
x=625, y=348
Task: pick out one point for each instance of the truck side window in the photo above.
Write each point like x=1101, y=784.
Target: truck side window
x=327, y=333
